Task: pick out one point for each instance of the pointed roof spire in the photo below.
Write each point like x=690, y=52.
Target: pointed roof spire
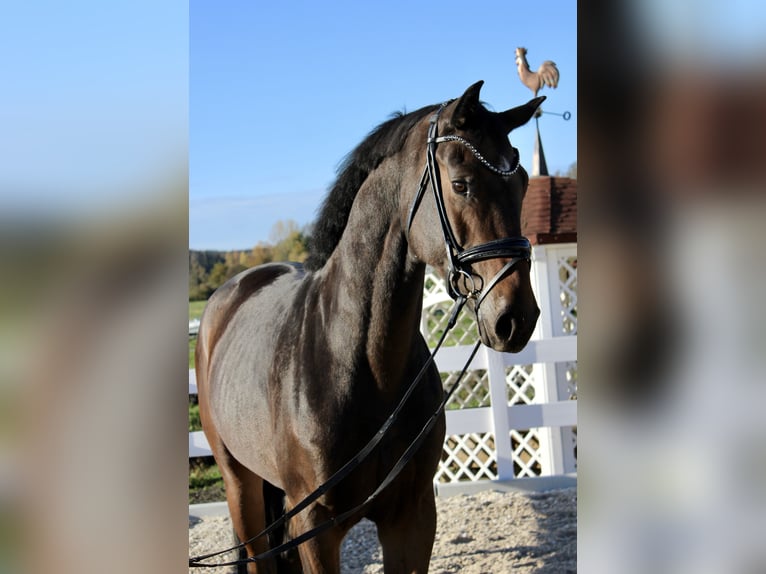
x=539, y=167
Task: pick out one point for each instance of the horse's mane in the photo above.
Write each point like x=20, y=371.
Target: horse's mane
x=384, y=141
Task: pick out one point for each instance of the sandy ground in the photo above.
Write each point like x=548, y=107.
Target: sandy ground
x=490, y=532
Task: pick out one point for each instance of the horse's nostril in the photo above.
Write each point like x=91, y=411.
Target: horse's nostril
x=504, y=326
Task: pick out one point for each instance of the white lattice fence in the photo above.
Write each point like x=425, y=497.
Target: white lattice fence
x=521, y=398
x=527, y=399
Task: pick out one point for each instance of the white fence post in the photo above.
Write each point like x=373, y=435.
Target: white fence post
x=545, y=283
x=564, y=324
x=499, y=404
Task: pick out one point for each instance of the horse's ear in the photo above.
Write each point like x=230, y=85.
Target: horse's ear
x=520, y=115
x=467, y=106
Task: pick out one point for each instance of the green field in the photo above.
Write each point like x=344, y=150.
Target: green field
x=195, y=309
x=195, y=312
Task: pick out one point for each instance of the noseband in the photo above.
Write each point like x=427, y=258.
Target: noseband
x=460, y=259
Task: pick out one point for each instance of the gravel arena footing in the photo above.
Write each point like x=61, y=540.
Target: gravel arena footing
x=491, y=532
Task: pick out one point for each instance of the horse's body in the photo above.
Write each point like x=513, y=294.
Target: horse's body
x=297, y=369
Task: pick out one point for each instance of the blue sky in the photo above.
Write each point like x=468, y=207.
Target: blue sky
x=102, y=100
x=93, y=105
x=279, y=93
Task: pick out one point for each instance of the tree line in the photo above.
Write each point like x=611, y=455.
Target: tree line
x=208, y=270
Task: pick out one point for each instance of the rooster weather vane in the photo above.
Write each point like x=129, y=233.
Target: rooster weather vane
x=546, y=75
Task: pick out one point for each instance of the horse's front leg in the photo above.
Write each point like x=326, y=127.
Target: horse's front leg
x=321, y=554
x=407, y=537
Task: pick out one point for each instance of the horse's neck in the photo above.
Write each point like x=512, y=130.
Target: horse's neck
x=378, y=290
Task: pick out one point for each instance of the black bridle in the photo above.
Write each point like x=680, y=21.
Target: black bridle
x=459, y=270
x=459, y=259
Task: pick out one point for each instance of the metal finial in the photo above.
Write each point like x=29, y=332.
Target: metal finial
x=539, y=166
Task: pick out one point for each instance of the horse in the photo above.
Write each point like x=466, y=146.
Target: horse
x=298, y=366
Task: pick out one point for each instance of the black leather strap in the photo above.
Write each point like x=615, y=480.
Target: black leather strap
x=459, y=259
x=498, y=248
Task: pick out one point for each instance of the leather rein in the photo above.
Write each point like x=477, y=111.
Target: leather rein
x=459, y=261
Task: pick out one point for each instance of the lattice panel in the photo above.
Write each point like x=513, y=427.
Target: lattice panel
x=525, y=444
x=526, y=453
x=566, y=377
x=433, y=287
x=567, y=267
x=520, y=384
x=473, y=456
x=468, y=457
x=472, y=392
x=435, y=319
x=571, y=380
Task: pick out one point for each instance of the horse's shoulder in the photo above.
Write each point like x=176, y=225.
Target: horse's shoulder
x=228, y=298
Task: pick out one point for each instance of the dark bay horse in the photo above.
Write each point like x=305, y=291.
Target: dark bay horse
x=297, y=368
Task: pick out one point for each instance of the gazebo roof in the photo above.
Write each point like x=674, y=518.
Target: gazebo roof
x=549, y=211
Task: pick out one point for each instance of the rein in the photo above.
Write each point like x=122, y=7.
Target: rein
x=460, y=259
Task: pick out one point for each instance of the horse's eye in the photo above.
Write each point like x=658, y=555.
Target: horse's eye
x=460, y=187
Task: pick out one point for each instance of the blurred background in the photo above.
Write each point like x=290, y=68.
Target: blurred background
x=94, y=266
x=93, y=261
x=672, y=473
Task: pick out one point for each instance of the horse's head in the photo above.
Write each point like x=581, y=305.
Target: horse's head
x=469, y=226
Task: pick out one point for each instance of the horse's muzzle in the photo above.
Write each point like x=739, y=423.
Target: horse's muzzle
x=516, y=329
x=510, y=330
